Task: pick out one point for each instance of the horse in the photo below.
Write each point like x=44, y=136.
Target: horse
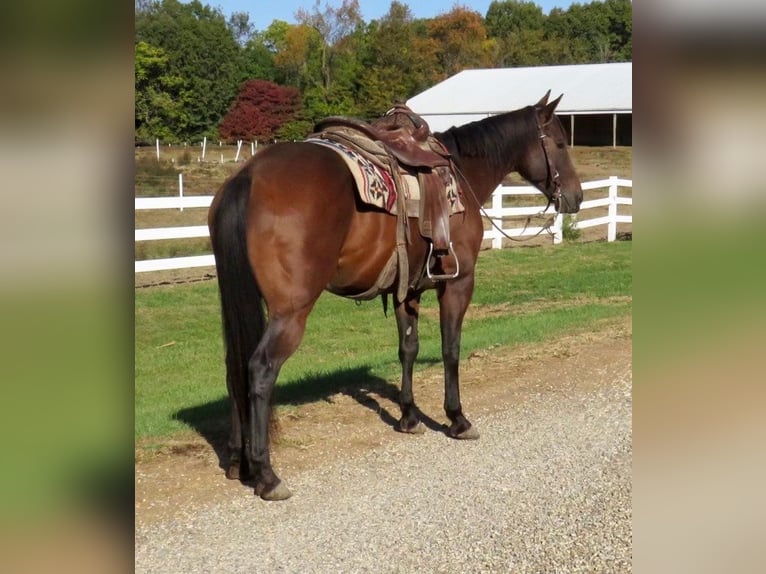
x=289, y=225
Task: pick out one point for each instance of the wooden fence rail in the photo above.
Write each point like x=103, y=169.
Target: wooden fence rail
x=496, y=212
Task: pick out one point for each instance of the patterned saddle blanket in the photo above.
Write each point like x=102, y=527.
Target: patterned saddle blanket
x=375, y=184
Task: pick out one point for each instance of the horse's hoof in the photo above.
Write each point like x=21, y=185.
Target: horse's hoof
x=418, y=428
x=279, y=492
x=232, y=473
x=468, y=434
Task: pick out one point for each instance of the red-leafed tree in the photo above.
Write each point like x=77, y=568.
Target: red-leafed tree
x=260, y=109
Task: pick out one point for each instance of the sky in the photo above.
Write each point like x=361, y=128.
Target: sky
x=264, y=12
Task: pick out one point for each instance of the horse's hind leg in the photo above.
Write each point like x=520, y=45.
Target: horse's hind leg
x=234, y=446
x=237, y=467
x=407, y=323
x=454, y=297
x=280, y=340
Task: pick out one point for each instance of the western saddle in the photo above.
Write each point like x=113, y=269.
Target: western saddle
x=407, y=139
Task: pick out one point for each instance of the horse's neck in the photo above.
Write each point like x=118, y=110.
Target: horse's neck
x=485, y=172
x=484, y=179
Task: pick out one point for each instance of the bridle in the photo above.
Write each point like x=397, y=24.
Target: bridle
x=552, y=177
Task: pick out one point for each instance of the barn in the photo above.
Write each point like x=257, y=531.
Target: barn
x=596, y=110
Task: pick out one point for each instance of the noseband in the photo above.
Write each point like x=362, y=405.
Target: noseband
x=553, y=173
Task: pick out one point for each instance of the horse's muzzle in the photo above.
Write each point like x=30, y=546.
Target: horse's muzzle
x=568, y=203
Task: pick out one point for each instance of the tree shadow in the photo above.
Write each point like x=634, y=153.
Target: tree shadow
x=211, y=419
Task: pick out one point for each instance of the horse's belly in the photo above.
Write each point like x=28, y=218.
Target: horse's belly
x=370, y=242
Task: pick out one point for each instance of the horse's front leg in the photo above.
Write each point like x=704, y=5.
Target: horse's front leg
x=407, y=323
x=454, y=297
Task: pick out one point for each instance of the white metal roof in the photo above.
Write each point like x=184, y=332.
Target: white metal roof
x=475, y=94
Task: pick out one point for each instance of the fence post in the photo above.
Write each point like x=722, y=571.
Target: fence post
x=181, y=189
x=611, y=228
x=157, y=143
x=204, y=146
x=558, y=226
x=497, y=208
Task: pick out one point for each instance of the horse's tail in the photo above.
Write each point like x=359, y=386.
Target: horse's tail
x=242, y=309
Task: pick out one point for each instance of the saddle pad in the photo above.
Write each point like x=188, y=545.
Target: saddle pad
x=375, y=185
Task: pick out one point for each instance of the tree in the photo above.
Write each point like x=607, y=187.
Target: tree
x=257, y=60
x=293, y=59
x=594, y=32
x=567, y=44
x=191, y=60
x=517, y=26
x=260, y=110
x=388, y=60
x=157, y=94
x=511, y=16
x=201, y=49
x=338, y=30
x=240, y=26
x=619, y=16
x=461, y=39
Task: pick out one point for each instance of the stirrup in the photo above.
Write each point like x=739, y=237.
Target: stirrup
x=433, y=277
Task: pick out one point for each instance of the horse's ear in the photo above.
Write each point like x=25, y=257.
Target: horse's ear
x=549, y=108
x=543, y=100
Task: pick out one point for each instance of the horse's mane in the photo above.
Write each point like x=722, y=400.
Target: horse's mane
x=496, y=138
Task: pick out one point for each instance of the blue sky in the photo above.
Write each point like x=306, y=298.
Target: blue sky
x=263, y=12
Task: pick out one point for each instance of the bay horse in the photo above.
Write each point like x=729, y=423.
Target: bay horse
x=289, y=225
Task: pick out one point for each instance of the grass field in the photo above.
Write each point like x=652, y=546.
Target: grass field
x=521, y=296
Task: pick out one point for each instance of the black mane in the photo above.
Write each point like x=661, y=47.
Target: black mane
x=497, y=139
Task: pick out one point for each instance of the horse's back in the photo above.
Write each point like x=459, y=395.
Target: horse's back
x=298, y=172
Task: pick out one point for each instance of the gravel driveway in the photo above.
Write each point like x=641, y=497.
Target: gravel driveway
x=547, y=488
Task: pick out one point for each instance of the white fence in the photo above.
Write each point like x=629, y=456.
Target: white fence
x=497, y=213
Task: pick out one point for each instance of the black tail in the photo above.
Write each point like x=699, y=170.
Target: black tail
x=241, y=302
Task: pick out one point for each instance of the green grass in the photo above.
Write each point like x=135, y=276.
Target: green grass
x=548, y=291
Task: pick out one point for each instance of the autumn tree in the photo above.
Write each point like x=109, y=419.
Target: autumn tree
x=462, y=40
x=260, y=110
x=294, y=48
x=333, y=25
x=396, y=61
x=191, y=60
x=339, y=30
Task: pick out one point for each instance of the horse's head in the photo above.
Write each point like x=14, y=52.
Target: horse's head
x=547, y=165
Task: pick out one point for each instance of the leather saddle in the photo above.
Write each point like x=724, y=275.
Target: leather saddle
x=404, y=133
x=408, y=139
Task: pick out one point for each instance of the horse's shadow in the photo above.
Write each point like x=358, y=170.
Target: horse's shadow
x=211, y=419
